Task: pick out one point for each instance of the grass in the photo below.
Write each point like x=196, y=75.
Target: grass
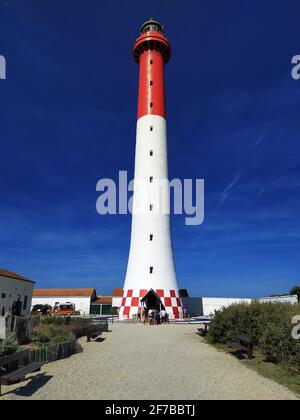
x=47, y=334
x=277, y=373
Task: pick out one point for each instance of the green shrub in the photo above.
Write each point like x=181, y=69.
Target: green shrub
x=45, y=334
x=113, y=311
x=248, y=319
x=41, y=309
x=8, y=346
x=268, y=324
x=279, y=347
x=296, y=291
x=39, y=338
x=54, y=320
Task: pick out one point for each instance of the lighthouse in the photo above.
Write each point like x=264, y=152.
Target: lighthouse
x=151, y=280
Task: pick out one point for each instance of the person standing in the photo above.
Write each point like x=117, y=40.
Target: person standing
x=154, y=317
x=158, y=318
x=150, y=316
x=163, y=315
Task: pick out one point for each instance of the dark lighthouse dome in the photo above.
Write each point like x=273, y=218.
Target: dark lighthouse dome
x=152, y=25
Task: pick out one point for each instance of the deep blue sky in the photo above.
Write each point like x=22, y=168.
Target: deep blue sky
x=68, y=118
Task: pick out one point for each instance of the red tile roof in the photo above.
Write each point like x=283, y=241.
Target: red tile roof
x=103, y=300
x=12, y=275
x=118, y=293
x=64, y=292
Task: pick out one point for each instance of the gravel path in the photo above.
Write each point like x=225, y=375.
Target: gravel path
x=143, y=362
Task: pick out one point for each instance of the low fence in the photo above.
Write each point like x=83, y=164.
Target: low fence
x=21, y=327
x=54, y=352
x=79, y=326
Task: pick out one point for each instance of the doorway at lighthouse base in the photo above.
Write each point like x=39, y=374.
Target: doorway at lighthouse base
x=151, y=299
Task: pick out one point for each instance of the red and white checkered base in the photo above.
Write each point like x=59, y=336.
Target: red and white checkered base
x=132, y=300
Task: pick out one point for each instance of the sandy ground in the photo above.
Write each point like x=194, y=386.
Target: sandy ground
x=143, y=362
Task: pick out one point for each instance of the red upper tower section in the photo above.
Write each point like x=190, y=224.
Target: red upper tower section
x=152, y=51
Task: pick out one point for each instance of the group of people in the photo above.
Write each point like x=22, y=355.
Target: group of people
x=152, y=316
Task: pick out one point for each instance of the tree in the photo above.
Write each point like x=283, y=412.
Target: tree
x=113, y=311
x=42, y=309
x=296, y=291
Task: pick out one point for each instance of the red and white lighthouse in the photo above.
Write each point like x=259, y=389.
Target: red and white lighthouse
x=151, y=280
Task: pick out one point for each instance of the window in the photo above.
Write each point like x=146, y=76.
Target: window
x=151, y=61
x=151, y=104
x=151, y=207
x=25, y=302
x=151, y=127
x=151, y=179
x=151, y=270
x=151, y=238
x=3, y=295
x=151, y=152
x=151, y=82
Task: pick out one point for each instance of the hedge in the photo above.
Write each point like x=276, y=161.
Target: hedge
x=268, y=324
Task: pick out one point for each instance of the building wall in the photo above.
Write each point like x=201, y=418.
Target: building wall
x=100, y=309
x=12, y=289
x=282, y=299
x=117, y=301
x=193, y=306
x=210, y=305
x=197, y=306
x=82, y=303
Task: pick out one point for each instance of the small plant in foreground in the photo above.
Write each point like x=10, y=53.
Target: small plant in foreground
x=8, y=346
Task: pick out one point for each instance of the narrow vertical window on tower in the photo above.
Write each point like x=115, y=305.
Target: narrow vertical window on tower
x=151, y=270
x=151, y=179
x=151, y=127
x=151, y=207
x=151, y=152
x=151, y=238
x=151, y=82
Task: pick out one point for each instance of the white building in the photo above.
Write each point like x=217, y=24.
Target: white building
x=15, y=293
x=117, y=298
x=206, y=306
x=81, y=298
x=211, y=305
x=292, y=299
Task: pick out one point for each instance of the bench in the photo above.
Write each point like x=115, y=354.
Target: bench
x=88, y=328
x=16, y=367
x=202, y=331
x=243, y=344
x=93, y=331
